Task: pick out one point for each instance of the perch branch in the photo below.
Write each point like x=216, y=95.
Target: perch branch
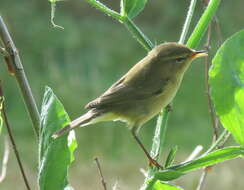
x=23, y=83
x=11, y=137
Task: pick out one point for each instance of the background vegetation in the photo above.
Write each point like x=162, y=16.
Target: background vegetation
x=81, y=61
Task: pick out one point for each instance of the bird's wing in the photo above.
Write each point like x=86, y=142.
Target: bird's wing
x=138, y=87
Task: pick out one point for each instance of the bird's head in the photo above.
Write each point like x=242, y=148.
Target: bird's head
x=175, y=56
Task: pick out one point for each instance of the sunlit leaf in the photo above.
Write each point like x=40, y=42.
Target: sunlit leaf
x=132, y=8
x=168, y=174
x=171, y=157
x=165, y=186
x=204, y=161
x=227, y=85
x=55, y=155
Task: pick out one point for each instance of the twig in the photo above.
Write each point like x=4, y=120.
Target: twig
x=194, y=153
x=5, y=159
x=202, y=179
x=218, y=30
x=214, y=119
x=101, y=174
x=220, y=141
x=20, y=75
x=188, y=21
x=11, y=137
x=138, y=34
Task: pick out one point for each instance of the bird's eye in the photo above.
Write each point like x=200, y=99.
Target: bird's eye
x=180, y=59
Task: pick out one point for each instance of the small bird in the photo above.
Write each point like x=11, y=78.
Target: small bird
x=142, y=92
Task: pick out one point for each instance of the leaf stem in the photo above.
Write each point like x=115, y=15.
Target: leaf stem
x=105, y=9
x=20, y=75
x=138, y=34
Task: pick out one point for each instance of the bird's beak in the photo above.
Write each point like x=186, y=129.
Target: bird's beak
x=200, y=53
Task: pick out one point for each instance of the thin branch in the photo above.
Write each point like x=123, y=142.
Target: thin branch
x=11, y=137
x=138, y=34
x=218, y=31
x=187, y=21
x=194, y=153
x=5, y=160
x=215, y=122
x=213, y=117
x=100, y=173
x=202, y=179
x=20, y=75
x=222, y=138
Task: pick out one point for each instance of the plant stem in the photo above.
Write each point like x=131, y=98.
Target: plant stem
x=187, y=21
x=4, y=160
x=105, y=9
x=20, y=75
x=11, y=137
x=217, y=142
x=161, y=126
x=159, y=135
x=104, y=184
x=163, y=117
x=202, y=179
x=138, y=34
x=203, y=23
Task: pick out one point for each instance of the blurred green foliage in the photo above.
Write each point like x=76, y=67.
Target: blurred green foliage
x=92, y=52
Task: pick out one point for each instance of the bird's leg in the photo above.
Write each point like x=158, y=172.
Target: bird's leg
x=151, y=160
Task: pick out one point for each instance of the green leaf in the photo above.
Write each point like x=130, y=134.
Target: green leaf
x=171, y=157
x=132, y=8
x=55, y=155
x=204, y=161
x=227, y=85
x=168, y=174
x=165, y=186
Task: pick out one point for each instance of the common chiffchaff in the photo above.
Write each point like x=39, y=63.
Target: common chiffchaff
x=142, y=92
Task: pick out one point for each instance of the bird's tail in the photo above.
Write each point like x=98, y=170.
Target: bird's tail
x=81, y=121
